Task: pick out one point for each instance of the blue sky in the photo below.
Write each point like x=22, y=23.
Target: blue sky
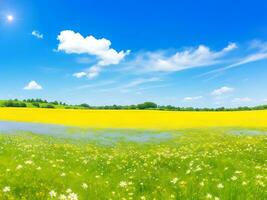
x=184, y=53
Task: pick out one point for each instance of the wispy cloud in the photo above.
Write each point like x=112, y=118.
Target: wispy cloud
x=96, y=85
x=222, y=90
x=37, y=34
x=141, y=81
x=80, y=74
x=260, y=54
x=192, y=98
x=163, y=61
x=153, y=87
x=84, y=60
x=258, y=45
x=242, y=100
x=248, y=59
x=74, y=43
x=132, y=85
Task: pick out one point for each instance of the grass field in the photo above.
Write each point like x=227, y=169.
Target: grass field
x=202, y=160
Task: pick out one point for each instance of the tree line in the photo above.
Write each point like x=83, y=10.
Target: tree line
x=40, y=103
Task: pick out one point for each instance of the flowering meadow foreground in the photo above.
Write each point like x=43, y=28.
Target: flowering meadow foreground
x=194, y=164
x=187, y=158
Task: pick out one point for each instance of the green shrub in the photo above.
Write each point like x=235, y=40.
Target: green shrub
x=11, y=103
x=48, y=106
x=35, y=104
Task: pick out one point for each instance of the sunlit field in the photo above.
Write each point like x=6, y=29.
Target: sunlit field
x=133, y=100
x=207, y=155
x=136, y=119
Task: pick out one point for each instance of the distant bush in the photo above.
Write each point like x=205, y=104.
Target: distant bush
x=54, y=102
x=68, y=107
x=84, y=105
x=35, y=104
x=48, y=106
x=35, y=100
x=11, y=103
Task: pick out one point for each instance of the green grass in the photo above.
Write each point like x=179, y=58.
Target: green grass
x=199, y=164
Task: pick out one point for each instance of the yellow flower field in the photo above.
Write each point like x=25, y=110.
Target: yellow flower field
x=205, y=155
x=136, y=119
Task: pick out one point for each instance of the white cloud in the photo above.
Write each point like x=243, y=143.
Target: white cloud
x=133, y=85
x=152, y=87
x=37, y=34
x=181, y=60
x=33, y=85
x=74, y=43
x=231, y=46
x=261, y=54
x=222, y=90
x=242, y=100
x=79, y=74
x=265, y=100
x=258, y=44
x=137, y=82
x=192, y=98
x=248, y=59
x=84, y=60
x=95, y=85
x=141, y=81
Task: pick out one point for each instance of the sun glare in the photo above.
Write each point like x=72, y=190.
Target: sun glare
x=10, y=18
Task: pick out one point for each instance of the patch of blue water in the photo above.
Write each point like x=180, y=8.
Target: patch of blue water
x=248, y=132
x=65, y=132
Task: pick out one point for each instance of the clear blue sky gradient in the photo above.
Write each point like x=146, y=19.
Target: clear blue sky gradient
x=168, y=26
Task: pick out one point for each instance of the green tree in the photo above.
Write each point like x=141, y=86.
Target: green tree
x=147, y=105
